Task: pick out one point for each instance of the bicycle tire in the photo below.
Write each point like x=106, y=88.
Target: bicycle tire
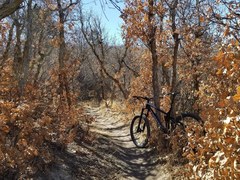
x=191, y=125
x=143, y=132
x=190, y=115
x=184, y=116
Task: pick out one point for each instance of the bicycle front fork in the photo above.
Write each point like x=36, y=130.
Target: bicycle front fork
x=143, y=115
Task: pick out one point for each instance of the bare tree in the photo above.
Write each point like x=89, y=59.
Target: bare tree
x=63, y=83
x=93, y=33
x=152, y=45
x=27, y=53
x=8, y=47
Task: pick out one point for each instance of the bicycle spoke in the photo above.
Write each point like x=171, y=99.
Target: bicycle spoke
x=140, y=131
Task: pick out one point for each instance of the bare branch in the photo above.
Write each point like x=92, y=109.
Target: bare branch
x=9, y=7
x=71, y=4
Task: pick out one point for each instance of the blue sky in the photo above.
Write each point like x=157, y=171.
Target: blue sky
x=109, y=17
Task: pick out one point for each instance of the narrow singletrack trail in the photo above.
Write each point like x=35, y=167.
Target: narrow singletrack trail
x=115, y=143
x=106, y=152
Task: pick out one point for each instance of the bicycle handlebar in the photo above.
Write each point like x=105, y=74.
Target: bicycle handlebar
x=141, y=97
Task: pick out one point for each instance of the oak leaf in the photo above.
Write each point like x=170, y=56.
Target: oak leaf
x=236, y=97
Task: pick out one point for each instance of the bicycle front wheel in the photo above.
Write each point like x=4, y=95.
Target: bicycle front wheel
x=140, y=131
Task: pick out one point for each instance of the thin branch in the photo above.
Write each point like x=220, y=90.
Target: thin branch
x=9, y=8
x=116, y=6
x=100, y=61
x=71, y=4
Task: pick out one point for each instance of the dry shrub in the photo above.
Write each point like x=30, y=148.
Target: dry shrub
x=177, y=143
x=29, y=124
x=25, y=133
x=218, y=155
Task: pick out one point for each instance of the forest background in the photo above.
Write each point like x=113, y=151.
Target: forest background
x=55, y=54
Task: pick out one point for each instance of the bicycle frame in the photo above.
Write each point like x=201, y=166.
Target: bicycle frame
x=149, y=107
x=167, y=115
x=171, y=122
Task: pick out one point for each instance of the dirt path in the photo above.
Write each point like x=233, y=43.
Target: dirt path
x=109, y=155
x=116, y=145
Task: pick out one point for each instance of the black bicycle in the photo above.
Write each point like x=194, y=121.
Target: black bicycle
x=140, y=127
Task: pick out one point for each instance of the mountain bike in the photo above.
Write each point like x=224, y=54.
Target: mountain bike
x=140, y=126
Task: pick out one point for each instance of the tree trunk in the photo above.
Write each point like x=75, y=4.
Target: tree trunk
x=196, y=61
x=100, y=56
x=102, y=85
x=176, y=43
x=63, y=83
x=153, y=49
x=155, y=80
x=9, y=7
x=173, y=12
x=18, y=60
x=27, y=50
x=8, y=46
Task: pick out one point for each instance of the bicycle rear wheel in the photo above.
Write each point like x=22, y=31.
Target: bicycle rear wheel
x=140, y=131
x=186, y=135
x=189, y=129
x=191, y=123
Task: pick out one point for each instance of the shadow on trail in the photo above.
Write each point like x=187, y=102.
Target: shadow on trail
x=111, y=128
x=131, y=162
x=114, y=144
x=111, y=155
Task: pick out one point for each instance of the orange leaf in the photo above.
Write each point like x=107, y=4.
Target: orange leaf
x=219, y=72
x=227, y=31
x=201, y=19
x=236, y=97
x=5, y=128
x=230, y=140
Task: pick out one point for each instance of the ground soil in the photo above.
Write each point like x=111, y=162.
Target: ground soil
x=109, y=153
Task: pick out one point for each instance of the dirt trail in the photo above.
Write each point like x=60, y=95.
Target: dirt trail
x=109, y=155
x=116, y=145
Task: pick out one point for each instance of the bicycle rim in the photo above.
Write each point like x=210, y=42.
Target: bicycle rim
x=189, y=131
x=140, y=131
